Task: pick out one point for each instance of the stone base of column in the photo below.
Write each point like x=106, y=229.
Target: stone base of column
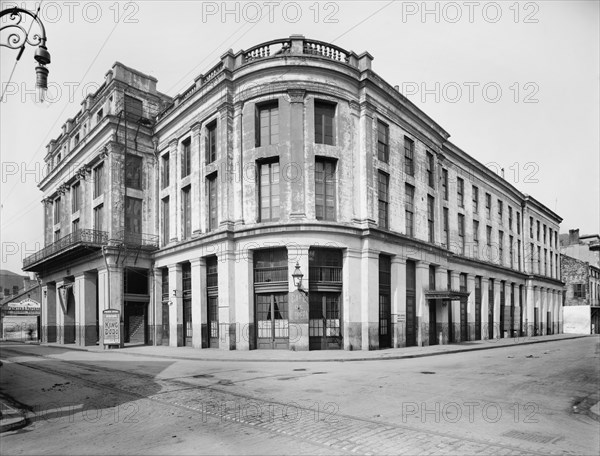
x=371, y=331
x=471, y=330
x=530, y=329
x=49, y=334
x=86, y=335
x=423, y=332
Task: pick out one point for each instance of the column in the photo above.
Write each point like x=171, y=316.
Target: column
x=517, y=311
x=298, y=299
x=244, y=298
x=199, y=303
x=352, y=299
x=455, y=307
x=471, y=306
x=369, y=273
x=498, y=284
x=421, y=300
x=61, y=309
x=176, y=306
x=156, y=298
x=296, y=187
x=543, y=306
x=398, y=295
x=84, y=291
x=226, y=268
x=560, y=311
x=485, y=302
x=49, y=313
x=529, y=309
x=441, y=283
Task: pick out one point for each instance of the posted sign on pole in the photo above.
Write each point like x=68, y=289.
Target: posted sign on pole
x=112, y=327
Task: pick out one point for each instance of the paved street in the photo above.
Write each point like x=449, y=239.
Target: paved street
x=512, y=400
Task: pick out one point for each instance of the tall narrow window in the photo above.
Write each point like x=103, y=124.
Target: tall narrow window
x=134, y=108
x=430, y=170
x=57, y=210
x=510, y=218
x=166, y=220
x=446, y=240
x=430, y=219
x=383, y=142
x=537, y=230
x=476, y=238
x=531, y=227
x=383, y=198
x=56, y=235
x=488, y=206
x=409, y=209
x=325, y=183
x=269, y=191
x=546, y=262
x=75, y=226
x=409, y=156
x=551, y=265
x=460, y=192
x=98, y=180
x=324, y=123
x=539, y=260
x=445, y=184
x=501, y=246
x=532, y=252
x=211, y=142
x=133, y=171
x=164, y=171
x=99, y=217
x=186, y=158
x=488, y=235
x=500, y=211
x=267, y=124
x=475, y=199
x=544, y=233
x=133, y=215
x=511, y=251
x=186, y=212
x=461, y=233
x=75, y=197
x=519, y=255
x=212, y=202
x=518, y=223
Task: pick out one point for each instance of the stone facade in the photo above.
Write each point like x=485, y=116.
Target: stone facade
x=295, y=156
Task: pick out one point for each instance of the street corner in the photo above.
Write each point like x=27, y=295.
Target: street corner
x=12, y=416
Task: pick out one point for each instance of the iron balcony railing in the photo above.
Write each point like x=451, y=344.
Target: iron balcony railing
x=87, y=237
x=142, y=240
x=325, y=274
x=212, y=279
x=278, y=274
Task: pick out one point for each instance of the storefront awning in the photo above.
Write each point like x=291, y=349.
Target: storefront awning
x=446, y=294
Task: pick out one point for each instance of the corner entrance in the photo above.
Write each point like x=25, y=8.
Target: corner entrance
x=272, y=321
x=324, y=327
x=135, y=321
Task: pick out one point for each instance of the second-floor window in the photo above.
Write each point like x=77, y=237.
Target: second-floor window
x=510, y=218
x=430, y=170
x=324, y=123
x=383, y=198
x=475, y=199
x=186, y=158
x=537, y=230
x=501, y=246
x=445, y=184
x=446, y=239
x=75, y=197
x=211, y=142
x=212, y=202
x=166, y=220
x=579, y=290
x=133, y=215
x=476, y=233
x=461, y=233
x=133, y=171
x=430, y=218
x=409, y=209
x=500, y=211
x=409, y=156
x=518, y=223
x=186, y=212
x=164, y=171
x=511, y=251
x=460, y=192
x=75, y=226
x=488, y=206
x=98, y=180
x=325, y=183
x=99, y=217
x=269, y=191
x=544, y=233
x=57, y=210
x=267, y=124
x=488, y=235
x=383, y=142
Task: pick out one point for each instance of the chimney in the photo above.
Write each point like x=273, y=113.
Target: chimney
x=574, y=236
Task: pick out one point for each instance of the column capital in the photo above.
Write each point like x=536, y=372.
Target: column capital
x=195, y=262
x=296, y=95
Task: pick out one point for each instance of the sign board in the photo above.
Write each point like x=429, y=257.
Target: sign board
x=25, y=307
x=401, y=318
x=112, y=327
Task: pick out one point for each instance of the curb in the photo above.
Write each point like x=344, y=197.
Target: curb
x=459, y=349
x=12, y=418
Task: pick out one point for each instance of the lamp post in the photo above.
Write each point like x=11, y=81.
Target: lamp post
x=18, y=37
x=297, y=277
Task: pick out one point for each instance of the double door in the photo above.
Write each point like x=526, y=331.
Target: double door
x=324, y=327
x=272, y=324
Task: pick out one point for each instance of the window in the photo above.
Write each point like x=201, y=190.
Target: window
x=383, y=142
x=488, y=235
x=445, y=184
x=532, y=251
x=545, y=233
x=511, y=251
x=99, y=115
x=133, y=215
x=409, y=197
x=550, y=237
x=409, y=154
x=75, y=226
x=539, y=260
x=461, y=233
x=488, y=206
x=500, y=211
x=56, y=235
x=430, y=170
x=475, y=199
x=325, y=183
x=430, y=218
x=382, y=196
x=76, y=141
x=501, y=246
x=164, y=171
x=211, y=142
x=324, y=123
x=519, y=255
x=75, y=197
x=57, y=210
x=556, y=241
x=579, y=290
x=545, y=261
x=476, y=233
x=460, y=192
x=166, y=220
x=537, y=232
x=133, y=171
x=212, y=202
x=186, y=164
x=98, y=180
x=99, y=217
x=269, y=191
x=446, y=240
x=186, y=212
x=58, y=158
x=267, y=124
x=133, y=108
x=531, y=227
x=518, y=223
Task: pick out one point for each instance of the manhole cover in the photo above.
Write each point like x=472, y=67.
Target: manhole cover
x=531, y=436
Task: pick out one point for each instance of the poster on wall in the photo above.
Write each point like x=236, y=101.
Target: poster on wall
x=112, y=327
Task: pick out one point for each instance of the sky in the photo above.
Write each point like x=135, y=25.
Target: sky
x=515, y=84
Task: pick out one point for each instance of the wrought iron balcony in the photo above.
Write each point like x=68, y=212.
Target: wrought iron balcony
x=320, y=274
x=143, y=241
x=69, y=243
x=275, y=274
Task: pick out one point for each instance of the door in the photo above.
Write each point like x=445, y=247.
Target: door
x=187, y=322
x=385, y=321
x=135, y=322
x=69, y=319
x=491, y=318
x=433, y=338
x=478, y=311
x=464, y=332
x=411, y=324
x=536, y=331
x=165, y=323
x=548, y=323
x=272, y=321
x=502, y=319
x=450, y=323
x=213, y=321
x=324, y=327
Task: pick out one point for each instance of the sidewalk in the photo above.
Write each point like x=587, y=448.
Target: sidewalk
x=11, y=418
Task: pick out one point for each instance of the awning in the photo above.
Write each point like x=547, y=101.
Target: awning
x=446, y=294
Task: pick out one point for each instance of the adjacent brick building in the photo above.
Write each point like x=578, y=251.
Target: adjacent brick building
x=291, y=157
